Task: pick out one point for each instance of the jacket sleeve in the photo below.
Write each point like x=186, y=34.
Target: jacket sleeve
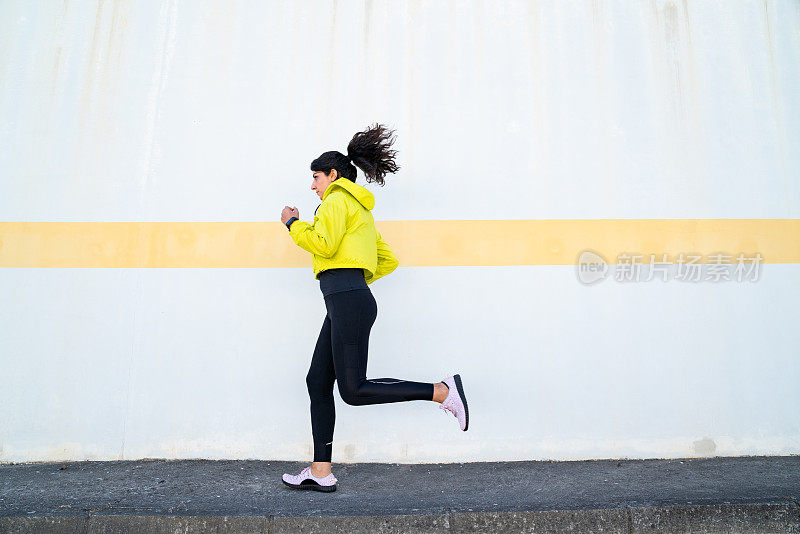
x=387, y=262
x=324, y=236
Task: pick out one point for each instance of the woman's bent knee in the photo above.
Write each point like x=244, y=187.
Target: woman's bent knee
x=349, y=394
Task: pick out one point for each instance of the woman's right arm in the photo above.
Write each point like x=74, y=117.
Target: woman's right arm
x=387, y=261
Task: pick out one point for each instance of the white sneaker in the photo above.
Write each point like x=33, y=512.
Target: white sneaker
x=305, y=480
x=456, y=401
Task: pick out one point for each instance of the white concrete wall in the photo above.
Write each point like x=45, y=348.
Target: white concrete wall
x=212, y=111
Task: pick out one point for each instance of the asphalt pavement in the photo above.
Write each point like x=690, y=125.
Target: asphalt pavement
x=723, y=494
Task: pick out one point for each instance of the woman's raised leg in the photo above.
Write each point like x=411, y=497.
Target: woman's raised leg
x=352, y=315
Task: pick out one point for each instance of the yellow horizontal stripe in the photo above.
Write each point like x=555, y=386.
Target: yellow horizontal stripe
x=416, y=243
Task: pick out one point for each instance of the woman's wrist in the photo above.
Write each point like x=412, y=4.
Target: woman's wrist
x=289, y=222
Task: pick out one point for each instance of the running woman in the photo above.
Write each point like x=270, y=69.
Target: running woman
x=348, y=253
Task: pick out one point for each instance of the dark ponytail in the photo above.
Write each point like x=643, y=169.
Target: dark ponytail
x=369, y=150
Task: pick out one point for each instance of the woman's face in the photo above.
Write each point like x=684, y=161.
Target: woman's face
x=320, y=181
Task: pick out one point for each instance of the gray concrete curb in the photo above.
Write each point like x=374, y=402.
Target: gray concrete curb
x=757, y=518
x=723, y=494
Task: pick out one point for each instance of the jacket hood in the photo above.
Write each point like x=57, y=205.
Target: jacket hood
x=363, y=195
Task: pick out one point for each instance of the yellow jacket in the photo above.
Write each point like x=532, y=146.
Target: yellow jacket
x=344, y=233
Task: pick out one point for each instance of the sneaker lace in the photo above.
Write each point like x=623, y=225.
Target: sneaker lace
x=448, y=406
x=307, y=470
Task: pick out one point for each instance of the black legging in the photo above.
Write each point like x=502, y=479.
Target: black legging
x=341, y=355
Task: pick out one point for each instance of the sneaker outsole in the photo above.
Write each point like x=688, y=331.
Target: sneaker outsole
x=460, y=389
x=310, y=485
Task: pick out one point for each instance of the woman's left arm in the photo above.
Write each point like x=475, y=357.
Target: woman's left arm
x=324, y=236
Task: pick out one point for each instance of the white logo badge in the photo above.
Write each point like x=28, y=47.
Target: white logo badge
x=592, y=267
